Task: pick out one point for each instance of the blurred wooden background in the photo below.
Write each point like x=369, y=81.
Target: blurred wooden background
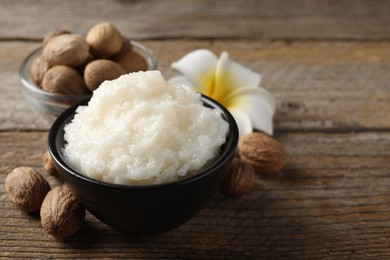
x=326, y=62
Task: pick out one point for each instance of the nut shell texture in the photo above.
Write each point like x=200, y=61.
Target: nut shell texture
x=104, y=39
x=132, y=62
x=63, y=79
x=66, y=49
x=239, y=180
x=265, y=153
x=48, y=164
x=54, y=34
x=26, y=188
x=61, y=214
x=38, y=69
x=98, y=71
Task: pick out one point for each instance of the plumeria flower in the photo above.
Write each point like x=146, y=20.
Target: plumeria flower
x=232, y=85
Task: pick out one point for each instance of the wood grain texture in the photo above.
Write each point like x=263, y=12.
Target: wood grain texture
x=329, y=203
x=153, y=19
x=16, y=111
x=332, y=86
x=327, y=64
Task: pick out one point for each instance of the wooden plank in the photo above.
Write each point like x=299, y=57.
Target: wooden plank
x=300, y=19
x=330, y=203
x=16, y=112
x=332, y=86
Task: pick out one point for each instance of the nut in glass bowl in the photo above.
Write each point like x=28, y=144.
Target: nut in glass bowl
x=51, y=105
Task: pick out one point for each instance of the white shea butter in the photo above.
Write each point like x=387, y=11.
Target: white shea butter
x=138, y=130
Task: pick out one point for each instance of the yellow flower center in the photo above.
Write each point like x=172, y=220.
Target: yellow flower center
x=218, y=87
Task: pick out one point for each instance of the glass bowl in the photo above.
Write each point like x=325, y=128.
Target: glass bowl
x=51, y=105
x=144, y=209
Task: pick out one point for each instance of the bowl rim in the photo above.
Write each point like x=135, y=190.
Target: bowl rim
x=226, y=153
x=25, y=79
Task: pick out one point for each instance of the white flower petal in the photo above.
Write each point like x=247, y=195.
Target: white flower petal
x=180, y=81
x=232, y=85
x=258, y=104
x=199, y=67
x=231, y=75
x=243, y=122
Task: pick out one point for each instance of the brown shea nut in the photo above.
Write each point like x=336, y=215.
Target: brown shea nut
x=48, y=164
x=26, y=188
x=61, y=214
x=104, y=39
x=126, y=47
x=132, y=62
x=66, y=49
x=239, y=179
x=54, y=34
x=98, y=71
x=265, y=153
x=63, y=79
x=38, y=69
x=80, y=68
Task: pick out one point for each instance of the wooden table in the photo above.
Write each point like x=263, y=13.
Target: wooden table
x=326, y=62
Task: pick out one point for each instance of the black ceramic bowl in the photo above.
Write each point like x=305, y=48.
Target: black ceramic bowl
x=146, y=209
